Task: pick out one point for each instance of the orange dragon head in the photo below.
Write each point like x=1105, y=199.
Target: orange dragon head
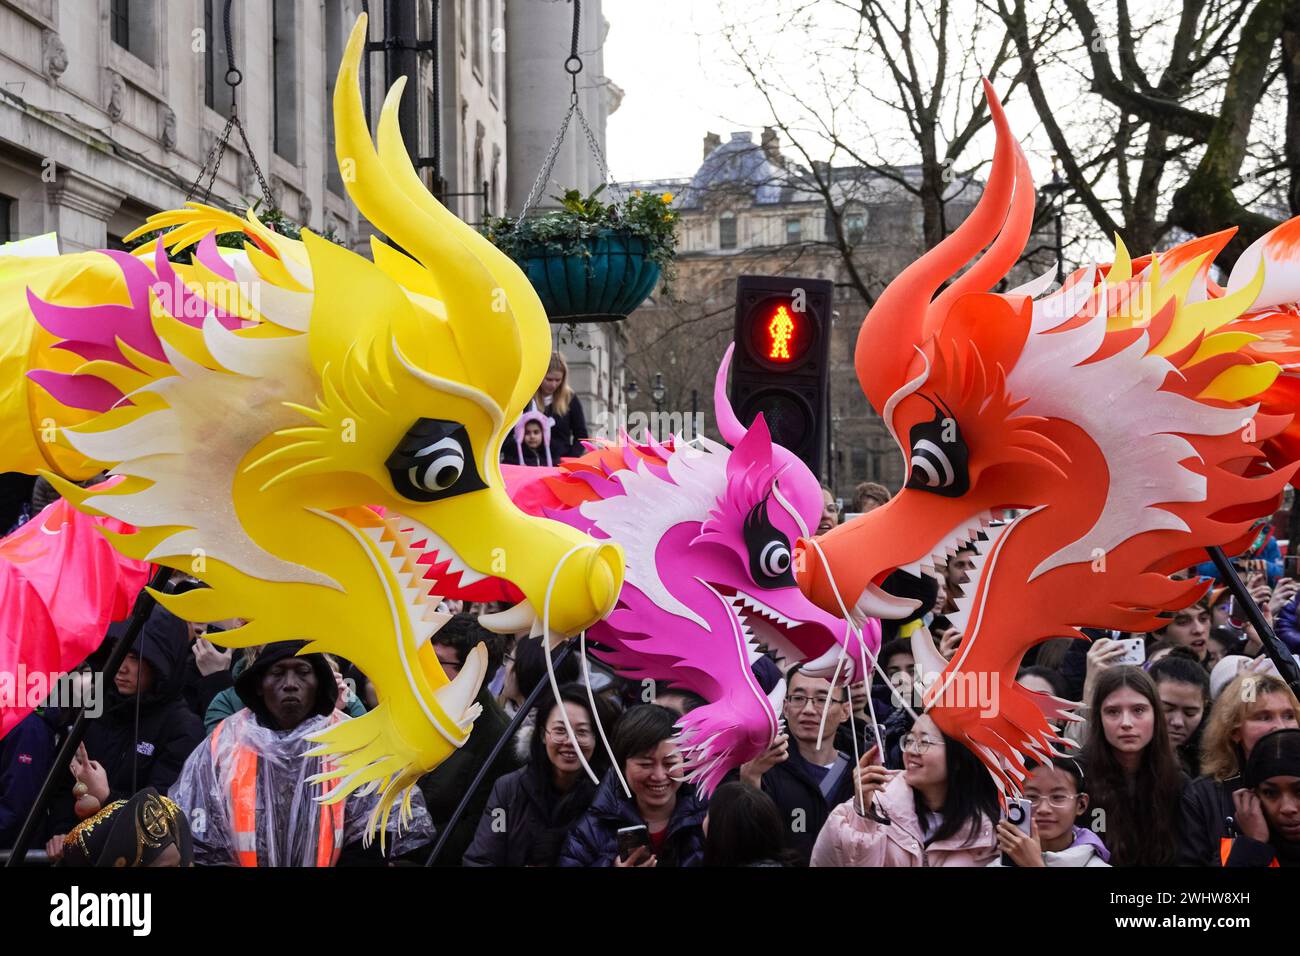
x=1116, y=420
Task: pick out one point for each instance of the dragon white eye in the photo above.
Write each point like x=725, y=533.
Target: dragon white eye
x=931, y=466
x=438, y=466
x=774, y=559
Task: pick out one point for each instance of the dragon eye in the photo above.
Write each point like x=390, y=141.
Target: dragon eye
x=774, y=560
x=434, y=460
x=939, y=458
x=769, y=550
x=438, y=466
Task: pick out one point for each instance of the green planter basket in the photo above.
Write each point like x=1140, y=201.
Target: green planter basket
x=603, y=287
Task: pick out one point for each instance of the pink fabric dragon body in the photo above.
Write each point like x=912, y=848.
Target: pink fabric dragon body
x=708, y=534
x=61, y=585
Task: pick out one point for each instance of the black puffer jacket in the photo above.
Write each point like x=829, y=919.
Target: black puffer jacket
x=594, y=841
x=527, y=820
x=168, y=730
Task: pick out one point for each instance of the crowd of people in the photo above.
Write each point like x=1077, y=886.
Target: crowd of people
x=1185, y=750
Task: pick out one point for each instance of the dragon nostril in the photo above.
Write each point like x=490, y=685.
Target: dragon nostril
x=805, y=567
x=605, y=576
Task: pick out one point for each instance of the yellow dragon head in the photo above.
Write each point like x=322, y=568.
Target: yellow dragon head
x=315, y=435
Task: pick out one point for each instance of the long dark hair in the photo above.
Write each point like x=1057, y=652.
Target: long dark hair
x=745, y=828
x=1141, y=818
x=569, y=694
x=971, y=794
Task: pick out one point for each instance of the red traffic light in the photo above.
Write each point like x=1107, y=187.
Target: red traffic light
x=778, y=333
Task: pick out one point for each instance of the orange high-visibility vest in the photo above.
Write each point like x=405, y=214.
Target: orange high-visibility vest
x=243, y=804
x=1225, y=851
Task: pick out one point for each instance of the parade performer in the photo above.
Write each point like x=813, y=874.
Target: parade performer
x=708, y=532
x=1134, y=417
x=311, y=433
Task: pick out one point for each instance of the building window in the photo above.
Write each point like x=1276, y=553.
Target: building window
x=333, y=53
x=481, y=201
x=494, y=54
x=727, y=230
x=119, y=15
x=855, y=227
x=793, y=230
x=460, y=23
x=6, y=214
x=131, y=26
x=216, y=93
x=476, y=38
x=284, y=73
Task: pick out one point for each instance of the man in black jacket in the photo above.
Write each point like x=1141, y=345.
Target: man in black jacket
x=445, y=786
x=813, y=778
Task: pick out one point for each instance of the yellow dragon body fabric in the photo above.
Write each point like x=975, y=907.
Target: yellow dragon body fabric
x=311, y=433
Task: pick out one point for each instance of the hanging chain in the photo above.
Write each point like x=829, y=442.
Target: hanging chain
x=233, y=79
x=572, y=66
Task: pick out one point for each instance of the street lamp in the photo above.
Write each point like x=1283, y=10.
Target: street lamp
x=1053, y=191
x=631, y=391
x=658, y=393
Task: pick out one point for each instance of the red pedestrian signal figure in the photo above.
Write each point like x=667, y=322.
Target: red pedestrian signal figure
x=780, y=330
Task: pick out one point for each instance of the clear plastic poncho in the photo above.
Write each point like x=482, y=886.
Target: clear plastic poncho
x=287, y=816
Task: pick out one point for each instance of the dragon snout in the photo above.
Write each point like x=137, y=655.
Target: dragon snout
x=604, y=577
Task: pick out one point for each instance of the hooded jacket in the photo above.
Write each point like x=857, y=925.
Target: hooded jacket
x=517, y=453
x=228, y=702
x=594, y=841
x=150, y=755
x=288, y=818
x=1086, y=850
x=850, y=839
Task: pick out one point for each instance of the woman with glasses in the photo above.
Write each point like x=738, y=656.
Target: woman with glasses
x=531, y=811
x=1058, y=797
x=1134, y=779
x=662, y=823
x=938, y=811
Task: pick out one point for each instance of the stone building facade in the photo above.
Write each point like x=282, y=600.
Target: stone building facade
x=110, y=108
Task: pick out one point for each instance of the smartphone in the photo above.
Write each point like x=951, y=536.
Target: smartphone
x=1135, y=651
x=629, y=838
x=1021, y=813
x=1291, y=567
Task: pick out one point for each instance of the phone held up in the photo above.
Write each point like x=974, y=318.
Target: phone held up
x=629, y=838
x=1021, y=813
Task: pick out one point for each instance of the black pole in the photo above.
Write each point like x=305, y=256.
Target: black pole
x=506, y=737
x=1277, y=652
x=144, y=603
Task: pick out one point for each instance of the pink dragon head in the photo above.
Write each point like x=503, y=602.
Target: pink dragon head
x=708, y=535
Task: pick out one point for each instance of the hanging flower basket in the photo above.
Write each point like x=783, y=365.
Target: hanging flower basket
x=590, y=261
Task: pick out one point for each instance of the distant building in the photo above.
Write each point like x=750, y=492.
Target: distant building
x=750, y=210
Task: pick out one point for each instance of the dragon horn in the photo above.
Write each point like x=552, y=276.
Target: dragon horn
x=728, y=424
x=896, y=323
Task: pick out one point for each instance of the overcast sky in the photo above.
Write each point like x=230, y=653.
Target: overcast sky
x=680, y=80
x=666, y=57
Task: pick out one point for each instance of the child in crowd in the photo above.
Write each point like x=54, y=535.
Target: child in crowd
x=1058, y=796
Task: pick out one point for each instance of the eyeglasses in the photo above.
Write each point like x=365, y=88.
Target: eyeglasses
x=1057, y=801
x=919, y=745
x=559, y=735
x=800, y=701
